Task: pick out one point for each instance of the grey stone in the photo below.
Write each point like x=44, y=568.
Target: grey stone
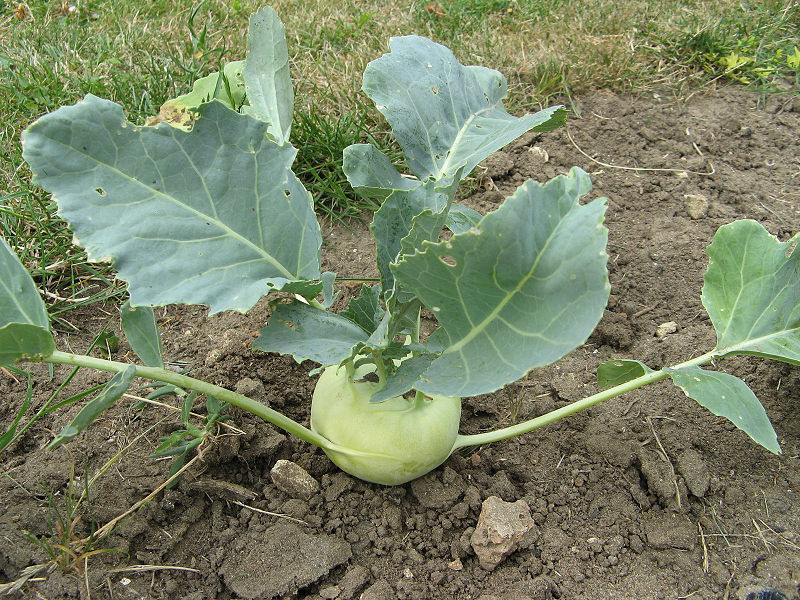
x=293, y=479
x=501, y=528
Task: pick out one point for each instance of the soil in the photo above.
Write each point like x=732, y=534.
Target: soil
x=645, y=496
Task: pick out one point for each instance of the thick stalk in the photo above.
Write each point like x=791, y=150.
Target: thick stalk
x=479, y=439
x=202, y=387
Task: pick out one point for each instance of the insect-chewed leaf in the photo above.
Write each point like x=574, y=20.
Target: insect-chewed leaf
x=309, y=333
x=208, y=216
x=751, y=291
x=181, y=112
x=728, y=396
x=96, y=406
x=24, y=324
x=520, y=290
x=266, y=74
x=139, y=326
x=616, y=372
x=445, y=115
x=366, y=310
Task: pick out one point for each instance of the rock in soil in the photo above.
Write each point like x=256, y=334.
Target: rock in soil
x=293, y=479
x=501, y=528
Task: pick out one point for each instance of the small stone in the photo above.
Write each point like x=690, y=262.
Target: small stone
x=293, y=479
x=540, y=153
x=665, y=329
x=696, y=205
x=500, y=529
x=455, y=565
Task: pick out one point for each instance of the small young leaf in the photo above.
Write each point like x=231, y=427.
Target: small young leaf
x=186, y=408
x=405, y=378
x=181, y=112
x=616, y=372
x=310, y=333
x=365, y=311
x=95, y=407
x=728, y=396
x=751, y=291
x=139, y=327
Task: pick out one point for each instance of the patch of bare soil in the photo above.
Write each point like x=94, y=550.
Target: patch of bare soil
x=646, y=496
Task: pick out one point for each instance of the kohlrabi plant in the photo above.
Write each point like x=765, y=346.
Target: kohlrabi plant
x=203, y=208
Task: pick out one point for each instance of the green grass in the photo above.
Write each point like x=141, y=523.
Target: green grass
x=141, y=54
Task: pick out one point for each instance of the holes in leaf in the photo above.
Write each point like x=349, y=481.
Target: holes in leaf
x=100, y=191
x=435, y=91
x=290, y=325
x=448, y=260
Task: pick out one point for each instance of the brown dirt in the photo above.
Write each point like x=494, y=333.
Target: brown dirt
x=646, y=496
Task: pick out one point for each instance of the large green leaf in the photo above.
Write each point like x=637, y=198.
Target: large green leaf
x=751, y=291
x=524, y=287
x=728, y=396
x=209, y=216
x=617, y=372
x=24, y=324
x=310, y=333
x=445, y=115
x=266, y=74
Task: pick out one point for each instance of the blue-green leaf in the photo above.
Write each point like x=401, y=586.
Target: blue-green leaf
x=444, y=115
x=751, y=291
x=616, y=372
x=309, y=333
x=112, y=391
x=24, y=324
x=404, y=378
x=208, y=216
x=266, y=74
x=461, y=218
x=522, y=289
x=141, y=331
x=728, y=396
x=366, y=310
x=371, y=173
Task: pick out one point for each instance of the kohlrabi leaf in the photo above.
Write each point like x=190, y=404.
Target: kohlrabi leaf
x=395, y=218
x=444, y=115
x=181, y=112
x=266, y=74
x=139, y=327
x=461, y=218
x=372, y=174
x=112, y=391
x=616, y=372
x=728, y=396
x=209, y=216
x=310, y=333
x=24, y=324
x=307, y=289
x=366, y=310
x=521, y=290
x=404, y=378
x=751, y=291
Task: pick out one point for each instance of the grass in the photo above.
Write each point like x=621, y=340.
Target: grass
x=141, y=54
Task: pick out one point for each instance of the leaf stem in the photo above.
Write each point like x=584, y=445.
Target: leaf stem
x=479, y=439
x=184, y=381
